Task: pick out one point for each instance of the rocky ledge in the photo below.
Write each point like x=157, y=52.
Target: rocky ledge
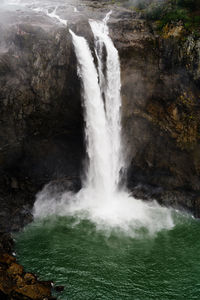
x=15, y=283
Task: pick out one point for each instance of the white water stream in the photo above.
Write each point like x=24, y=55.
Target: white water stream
x=51, y=14
x=99, y=174
x=110, y=84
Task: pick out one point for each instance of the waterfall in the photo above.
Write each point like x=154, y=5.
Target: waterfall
x=111, y=87
x=102, y=123
x=100, y=199
x=99, y=175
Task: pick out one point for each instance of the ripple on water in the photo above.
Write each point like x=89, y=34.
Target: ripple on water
x=94, y=265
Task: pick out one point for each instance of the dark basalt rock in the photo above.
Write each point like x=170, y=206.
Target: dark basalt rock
x=6, y=243
x=15, y=283
x=59, y=288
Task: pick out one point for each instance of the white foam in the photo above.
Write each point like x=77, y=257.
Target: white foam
x=122, y=211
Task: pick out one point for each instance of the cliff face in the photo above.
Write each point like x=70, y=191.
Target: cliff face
x=41, y=113
x=41, y=137
x=161, y=121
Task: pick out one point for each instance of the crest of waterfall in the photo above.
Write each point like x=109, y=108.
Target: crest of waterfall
x=55, y=16
x=51, y=14
x=44, y=7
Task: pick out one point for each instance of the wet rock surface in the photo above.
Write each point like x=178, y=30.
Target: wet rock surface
x=15, y=283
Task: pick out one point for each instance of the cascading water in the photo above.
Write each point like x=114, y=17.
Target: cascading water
x=102, y=125
x=101, y=200
x=99, y=175
x=111, y=91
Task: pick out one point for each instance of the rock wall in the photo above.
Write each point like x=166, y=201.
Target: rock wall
x=161, y=121
x=41, y=136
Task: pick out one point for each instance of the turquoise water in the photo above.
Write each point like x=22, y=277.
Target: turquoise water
x=94, y=264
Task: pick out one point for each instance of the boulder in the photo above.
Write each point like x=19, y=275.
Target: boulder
x=16, y=284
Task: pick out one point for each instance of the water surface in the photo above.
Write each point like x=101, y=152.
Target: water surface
x=104, y=264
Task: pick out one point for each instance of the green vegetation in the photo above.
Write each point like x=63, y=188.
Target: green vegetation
x=187, y=12
x=168, y=12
